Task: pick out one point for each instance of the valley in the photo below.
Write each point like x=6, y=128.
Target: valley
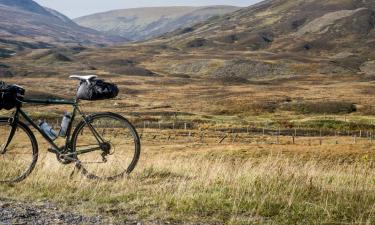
x=211, y=102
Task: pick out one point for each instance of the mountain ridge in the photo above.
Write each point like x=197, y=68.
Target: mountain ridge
x=269, y=25
x=27, y=5
x=39, y=27
x=149, y=22
x=274, y=39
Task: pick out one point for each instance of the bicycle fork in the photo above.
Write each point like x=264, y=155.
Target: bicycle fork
x=13, y=123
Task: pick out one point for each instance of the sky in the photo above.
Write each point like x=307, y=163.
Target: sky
x=77, y=8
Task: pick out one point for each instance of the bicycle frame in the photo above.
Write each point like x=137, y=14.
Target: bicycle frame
x=57, y=150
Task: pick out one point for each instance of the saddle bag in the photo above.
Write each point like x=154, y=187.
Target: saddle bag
x=10, y=95
x=96, y=90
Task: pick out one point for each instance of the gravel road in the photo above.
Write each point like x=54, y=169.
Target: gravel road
x=12, y=212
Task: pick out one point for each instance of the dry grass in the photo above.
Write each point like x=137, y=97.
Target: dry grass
x=197, y=183
x=220, y=184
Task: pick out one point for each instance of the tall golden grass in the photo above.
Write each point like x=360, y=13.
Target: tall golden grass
x=226, y=184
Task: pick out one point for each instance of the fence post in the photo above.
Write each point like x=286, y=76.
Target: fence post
x=159, y=125
x=337, y=142
x=293, y=141
x=320, y=137
x=355, y=139
x=234, y=138
x=278, y=137
x=222, y=139
x=185, y=126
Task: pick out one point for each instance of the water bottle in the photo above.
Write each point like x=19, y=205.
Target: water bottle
x=48, y=130
x=65, y=124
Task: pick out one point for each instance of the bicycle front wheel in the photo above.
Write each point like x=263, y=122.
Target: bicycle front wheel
x=107, y=146
x=18, y=151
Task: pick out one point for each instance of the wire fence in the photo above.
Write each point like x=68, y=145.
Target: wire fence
x=182, y=132
x=188, y=132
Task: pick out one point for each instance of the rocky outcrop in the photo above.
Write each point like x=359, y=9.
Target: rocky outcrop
x=360, y=21
x=368, y=68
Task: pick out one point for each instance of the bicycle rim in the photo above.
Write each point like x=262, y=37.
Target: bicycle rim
x=18, y=159
x=117, y=133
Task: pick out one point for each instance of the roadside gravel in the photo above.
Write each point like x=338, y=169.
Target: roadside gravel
x=13, y=212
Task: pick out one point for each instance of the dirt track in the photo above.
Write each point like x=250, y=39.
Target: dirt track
x=12, y=212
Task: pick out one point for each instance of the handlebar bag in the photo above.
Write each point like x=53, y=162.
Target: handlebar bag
x=10, y=95
x=96, y=90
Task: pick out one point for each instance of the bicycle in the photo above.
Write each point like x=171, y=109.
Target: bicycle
x=103, y=146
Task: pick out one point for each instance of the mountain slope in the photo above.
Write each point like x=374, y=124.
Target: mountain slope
x=286, y=25
x=26, y=5
x=272, y=40
x=144, y=23
x=25, y=24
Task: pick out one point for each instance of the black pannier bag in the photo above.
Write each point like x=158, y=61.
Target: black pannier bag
x=96, y=90
x=10, y=95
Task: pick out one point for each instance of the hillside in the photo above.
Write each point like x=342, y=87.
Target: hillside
x=25, y=24
x=283, y=34
x=274, y=39
x=144, y=23
x=288, y=25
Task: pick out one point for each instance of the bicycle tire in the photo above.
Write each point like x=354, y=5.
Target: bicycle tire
x=34, y=146
x=135, y=155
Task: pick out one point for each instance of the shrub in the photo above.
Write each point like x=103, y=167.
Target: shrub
x=336, y=125
x=329, y=107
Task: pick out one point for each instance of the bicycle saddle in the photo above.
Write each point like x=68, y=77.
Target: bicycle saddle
x=86, y=78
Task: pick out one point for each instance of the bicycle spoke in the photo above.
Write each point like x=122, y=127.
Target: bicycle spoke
x=18, y=159
x=117, y=153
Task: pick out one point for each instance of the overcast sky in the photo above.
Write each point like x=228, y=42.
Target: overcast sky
x=77, y=8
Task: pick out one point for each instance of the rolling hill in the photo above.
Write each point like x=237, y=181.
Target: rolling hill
x=282, y=33
x=274, y=39
x=288, y=25
x=25, y=24
x=144, y=23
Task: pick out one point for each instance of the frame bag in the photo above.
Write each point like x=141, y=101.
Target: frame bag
x=96, y=90
x=10, y=95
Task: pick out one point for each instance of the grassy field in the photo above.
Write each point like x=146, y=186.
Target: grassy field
x=207, y=183
x=243, y=182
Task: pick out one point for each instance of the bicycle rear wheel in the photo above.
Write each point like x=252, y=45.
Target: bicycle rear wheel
x=115, y=155
x=19, y=156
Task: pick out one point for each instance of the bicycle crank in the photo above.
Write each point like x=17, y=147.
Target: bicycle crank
x=65, y=159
